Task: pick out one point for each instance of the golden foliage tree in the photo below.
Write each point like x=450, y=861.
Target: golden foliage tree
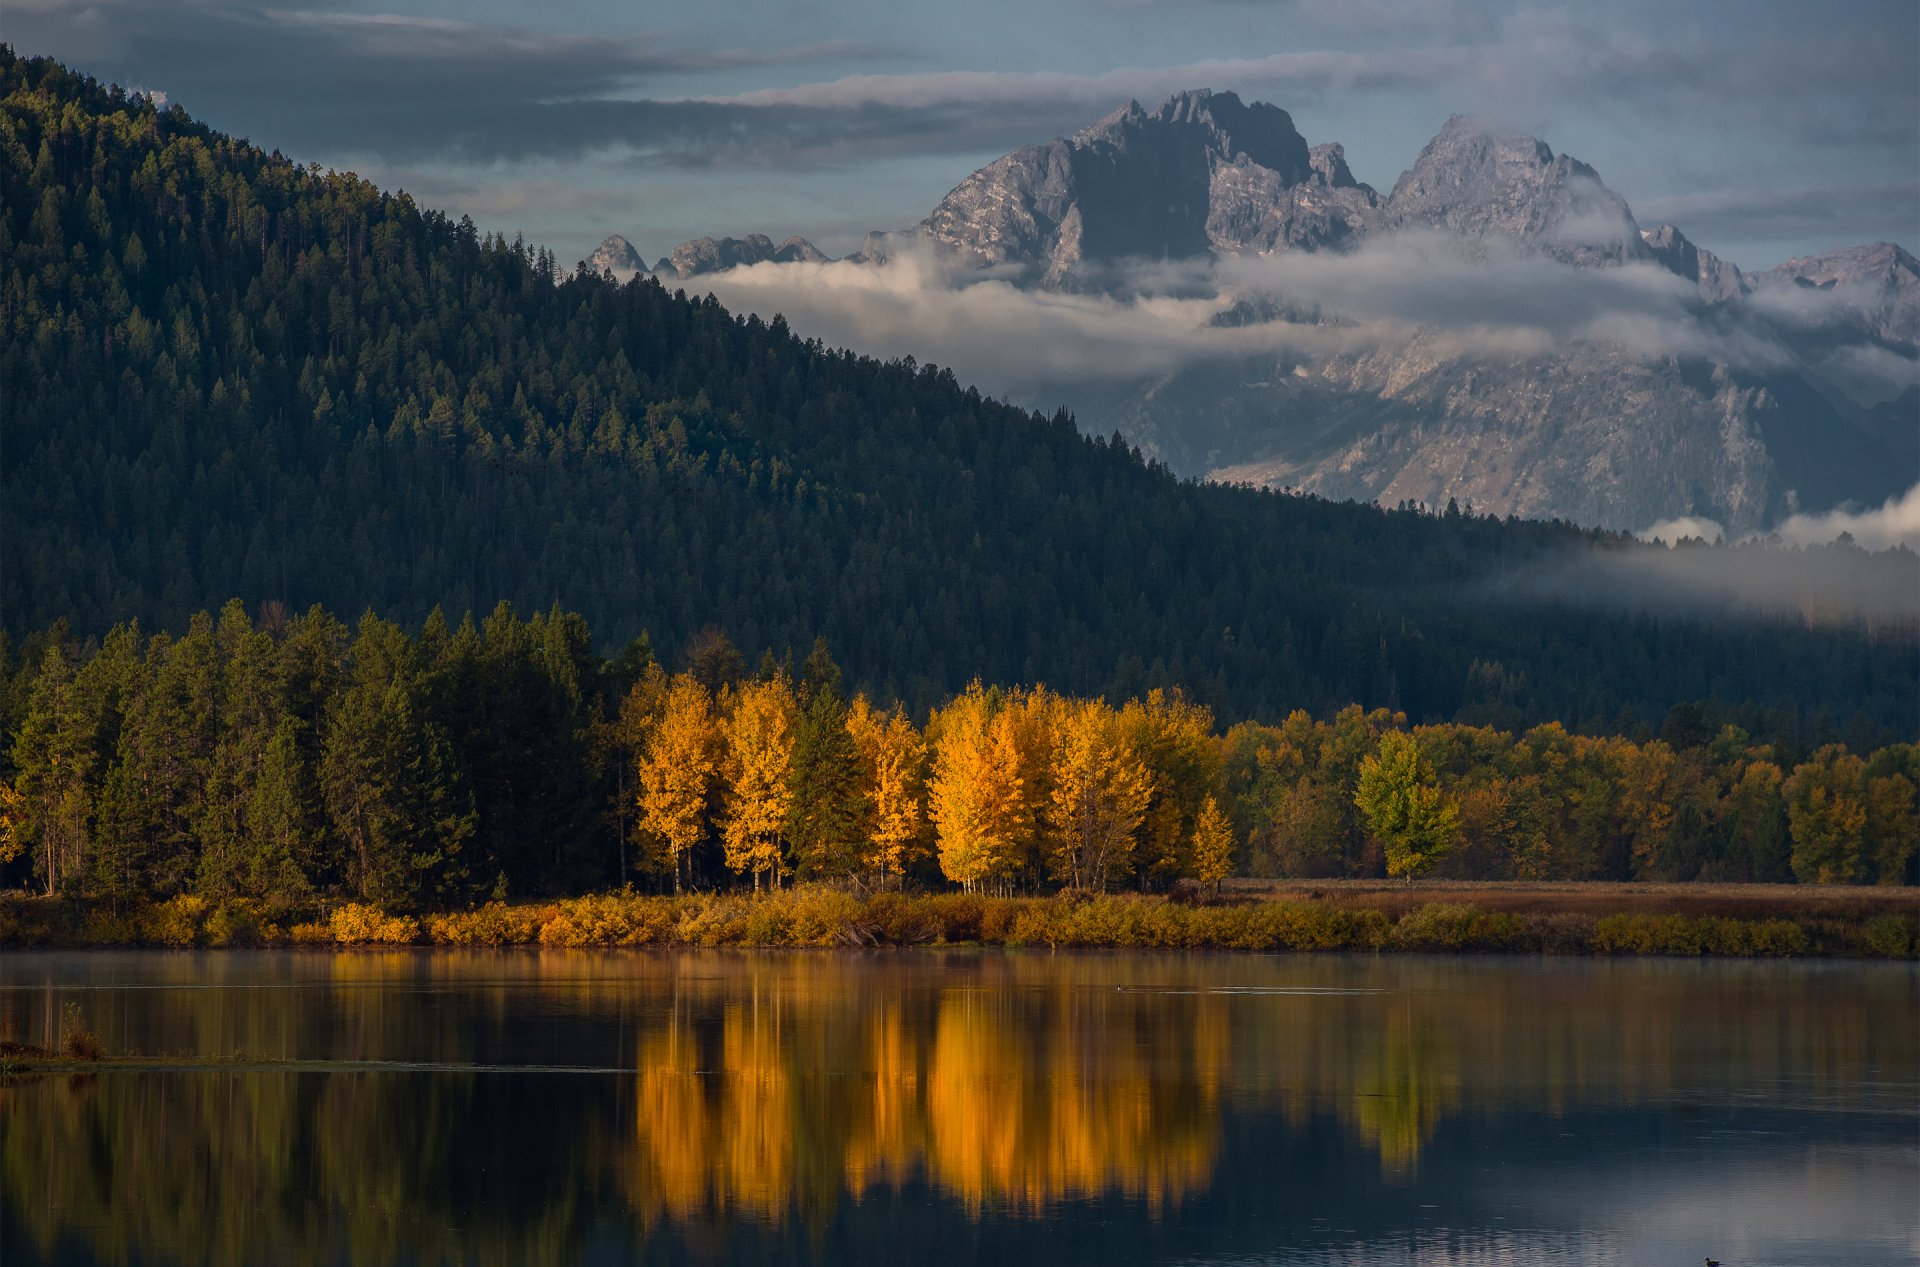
x=975, y=795
x=1100, y=791
x=892, y=761
x=1212, y=845
x=677, y=766
x=759, y=769
x=12, y=810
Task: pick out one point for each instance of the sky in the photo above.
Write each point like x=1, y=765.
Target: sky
x=1764, y=128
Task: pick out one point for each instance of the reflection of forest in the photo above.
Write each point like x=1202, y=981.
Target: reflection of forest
x=775, y=1089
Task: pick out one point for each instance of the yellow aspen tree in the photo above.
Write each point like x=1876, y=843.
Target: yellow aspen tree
x=759, y=736
x=1175, y=738
x=1034, y=717
x=1100, y=791
x=1212, y=846
x=892, y=759
x=677, y=765
x=974, y=797
x=11, y=812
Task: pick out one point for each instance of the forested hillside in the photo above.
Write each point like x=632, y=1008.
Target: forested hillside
x=225, y=374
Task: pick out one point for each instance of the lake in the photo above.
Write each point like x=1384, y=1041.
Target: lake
x=940, y=1107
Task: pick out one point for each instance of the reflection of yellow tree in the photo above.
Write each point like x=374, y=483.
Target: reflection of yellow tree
x=995, y=1104
x=1411, y=1081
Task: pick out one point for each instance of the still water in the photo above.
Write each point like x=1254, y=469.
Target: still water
x=931, y=1107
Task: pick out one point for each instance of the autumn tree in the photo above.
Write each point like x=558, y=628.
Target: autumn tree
x=892, y=760
x=974, y=798
x=1893, y=829
x=1404, y=806
x=678, y=762
x=1099, y=795
x=1827, y=814
x=759, y=731
x=1212, y=846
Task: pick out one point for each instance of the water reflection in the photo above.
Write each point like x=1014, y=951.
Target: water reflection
x=486, y=1107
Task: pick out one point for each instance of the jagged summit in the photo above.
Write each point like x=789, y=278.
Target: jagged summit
x=617, y=256
x=1880, y=279
x=713, y=255
x=1201, y=174
x=1718, y=279
x=1475, y=182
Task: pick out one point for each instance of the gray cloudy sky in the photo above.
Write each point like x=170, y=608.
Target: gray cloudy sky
x=1764, y=128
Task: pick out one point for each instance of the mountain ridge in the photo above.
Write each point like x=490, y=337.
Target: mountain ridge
x=1205, y=178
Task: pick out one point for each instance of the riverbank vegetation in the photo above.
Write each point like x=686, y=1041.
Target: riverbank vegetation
x=286, y=761
x=1622, y=920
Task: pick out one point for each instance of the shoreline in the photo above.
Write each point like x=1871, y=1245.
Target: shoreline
x=1578, y=919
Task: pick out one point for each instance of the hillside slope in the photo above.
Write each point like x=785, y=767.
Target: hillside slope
x=228, y=375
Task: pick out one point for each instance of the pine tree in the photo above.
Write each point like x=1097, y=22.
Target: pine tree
x=823, y=823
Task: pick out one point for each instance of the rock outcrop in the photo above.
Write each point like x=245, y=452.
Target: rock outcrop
x=1204, y=174
x=617, y=256
x=714, y=255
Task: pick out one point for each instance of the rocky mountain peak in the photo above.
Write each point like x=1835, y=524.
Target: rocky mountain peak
x=1879, y=284
x=1203, y=173
x=1718, y=279
x=617, y=256
x=1477, y=183
x=715, y=255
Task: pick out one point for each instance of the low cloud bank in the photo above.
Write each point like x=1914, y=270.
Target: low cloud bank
x=1459, y=299
x=1894, y=524
x=1814, y=585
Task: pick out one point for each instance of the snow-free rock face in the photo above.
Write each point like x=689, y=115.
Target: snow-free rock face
x=1718, y=280
x=1476, y=184
x=1204, y=174
x=1878, y=284
x=617, y=256
x=714, y=255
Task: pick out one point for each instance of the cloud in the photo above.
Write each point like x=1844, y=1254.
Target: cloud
x=1457, y=300
x=1815, y=583
x=1812, y=211
x=1897, y=523
x=1685, y=528
x=324, y=81
x=1892, y=525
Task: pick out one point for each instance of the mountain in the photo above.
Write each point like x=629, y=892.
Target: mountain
x=617, y=256
x=226, y=374
x=1480, y=185
x=1718, y=279
x=1742, y=399
x=713, y=255
x=1880, y=286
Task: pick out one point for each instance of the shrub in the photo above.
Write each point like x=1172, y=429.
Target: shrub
x=355, y=925
x=1889, y=936
x=893, y=919
x=1442, y=926
x=77, y=1041
x=232, y=924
